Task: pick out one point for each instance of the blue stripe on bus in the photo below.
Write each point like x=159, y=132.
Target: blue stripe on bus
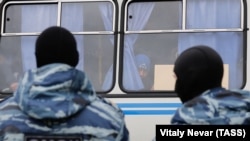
x=148, y=105
x=133, y=107
x=148, y=112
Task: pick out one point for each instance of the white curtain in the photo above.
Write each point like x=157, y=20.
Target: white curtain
x=42, y=17
x=138, y=15
x=73, y=20
x=213, y=14
x=107, y=12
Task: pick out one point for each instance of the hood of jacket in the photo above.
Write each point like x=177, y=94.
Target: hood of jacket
x=216, y=106
x=54, y=91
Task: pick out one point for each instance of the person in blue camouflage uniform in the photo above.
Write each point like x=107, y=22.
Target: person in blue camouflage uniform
x=199, y=73
x=56, y=98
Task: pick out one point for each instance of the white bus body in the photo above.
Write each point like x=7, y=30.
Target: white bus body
x=143, y=109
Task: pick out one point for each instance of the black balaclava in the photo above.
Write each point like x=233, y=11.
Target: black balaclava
x=56, y=45
x=197, y=69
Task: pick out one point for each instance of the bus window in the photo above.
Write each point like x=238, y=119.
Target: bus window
x=95, y=37
x=20, y=19
x=162, y=37
x=91, y=22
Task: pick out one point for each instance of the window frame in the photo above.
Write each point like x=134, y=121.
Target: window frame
x=159, y=93
x=114, y=32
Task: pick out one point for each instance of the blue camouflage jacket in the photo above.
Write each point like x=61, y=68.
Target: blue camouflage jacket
x=216, y=106
x=58, y=99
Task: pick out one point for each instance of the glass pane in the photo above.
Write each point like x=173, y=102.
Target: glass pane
x=154, y=50
x=10, y=61
x=213, y=14
x=162, y=15
x=29, y=17
x=17, y=55
x=98, y=53
x=88, y=16
x=228, y=44
x=162, y=49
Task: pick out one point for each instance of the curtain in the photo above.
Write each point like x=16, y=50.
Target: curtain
x=73, y=20
x=106, y=10
x=218, y=14
x=40, y=18
x=138, y=15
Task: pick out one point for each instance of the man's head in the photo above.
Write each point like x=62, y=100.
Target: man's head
x=143, y=64
x=56, y=45
x=197, y=69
